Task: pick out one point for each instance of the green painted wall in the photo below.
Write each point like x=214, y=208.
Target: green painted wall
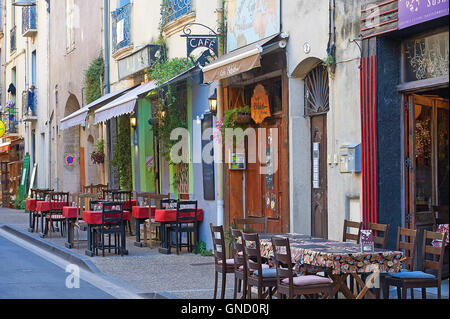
x=146, y=146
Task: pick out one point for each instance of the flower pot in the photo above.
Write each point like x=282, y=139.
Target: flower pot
x=243, y=118
x=98, y=158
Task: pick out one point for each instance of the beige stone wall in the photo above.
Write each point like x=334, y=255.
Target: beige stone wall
x=307, y=24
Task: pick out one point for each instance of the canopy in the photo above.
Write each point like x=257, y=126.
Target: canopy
x=236, y=62
x=124, y=104
x=79, y=117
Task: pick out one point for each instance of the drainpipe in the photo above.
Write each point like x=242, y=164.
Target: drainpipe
x=4, y=56
x=220, y=166
x=48, y=103
x=105, y=167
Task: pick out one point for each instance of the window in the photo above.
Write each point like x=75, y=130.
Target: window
x=174, y=9
x=33, y=68
x=70, y=25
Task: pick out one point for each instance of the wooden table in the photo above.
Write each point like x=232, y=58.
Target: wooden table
x=338, y=260
x=166, y=217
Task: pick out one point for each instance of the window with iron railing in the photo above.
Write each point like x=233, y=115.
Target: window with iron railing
x=174, y=9
x=28, y=20
x=121, y=28
x=13, y=39
x=8, y=115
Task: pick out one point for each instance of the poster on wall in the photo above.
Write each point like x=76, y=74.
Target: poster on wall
x=412, y=12
x=251, y=20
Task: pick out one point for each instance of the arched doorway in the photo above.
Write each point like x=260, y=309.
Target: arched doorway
x=72, y=151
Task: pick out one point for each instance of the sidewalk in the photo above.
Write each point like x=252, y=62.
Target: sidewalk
x=186, y=276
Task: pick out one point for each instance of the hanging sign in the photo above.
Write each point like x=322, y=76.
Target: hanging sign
x=2, y=129
x=149, y=161
x=202, y=49
x=260, y=104
x=412, y=12
x=25, y=174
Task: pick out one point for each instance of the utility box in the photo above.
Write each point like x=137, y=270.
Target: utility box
x=350, y=159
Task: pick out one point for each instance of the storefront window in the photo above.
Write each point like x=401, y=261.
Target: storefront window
x=427, y=57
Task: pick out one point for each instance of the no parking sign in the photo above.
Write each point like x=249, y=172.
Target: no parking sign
x=70, y=160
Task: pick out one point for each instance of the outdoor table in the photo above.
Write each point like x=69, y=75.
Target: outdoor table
x=166, y=217
x=140, y=215
x=338, y=259
x=43, y=209
x=30, y=207
x=71, y=216
x=93, y=220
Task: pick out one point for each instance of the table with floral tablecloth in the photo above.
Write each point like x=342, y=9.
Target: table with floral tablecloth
x=441, y=229
x=338, y=257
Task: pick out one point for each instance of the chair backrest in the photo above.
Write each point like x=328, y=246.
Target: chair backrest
x=112, y=213
x=108, y=193
x=40, y=193
x=253, y=259
x=150, y=199
x=219, y=248
x=95, y=189
x=283, y=259
x=441, y=215
x=183, y=196
x=58, y=200
x=252, y=224
x=166, y=203
x=381, y=233
x=407, y=245
x=187, y=212
x=238, y=249
x=431, y=253
x=84, y=202
x=349, y=236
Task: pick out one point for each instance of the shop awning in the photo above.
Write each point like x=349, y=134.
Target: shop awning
x=5, y=147
x=79, y=117
x=236, y=62
x=124, y=104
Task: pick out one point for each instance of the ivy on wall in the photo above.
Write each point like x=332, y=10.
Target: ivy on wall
x=123, y=152
x=94, y=76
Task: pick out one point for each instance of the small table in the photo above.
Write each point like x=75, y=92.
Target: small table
x=140, y=215
x=166, y=217
x=30, y=207
x=71, y=216
x=338, y=259
x=94, y=219
x=43, y=209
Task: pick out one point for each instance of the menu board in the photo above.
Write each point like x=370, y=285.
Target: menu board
x=209, y=190
x=367, y=244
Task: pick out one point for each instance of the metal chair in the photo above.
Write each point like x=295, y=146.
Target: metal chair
x=186, y=222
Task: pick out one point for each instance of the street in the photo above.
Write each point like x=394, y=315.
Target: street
x=26, y=275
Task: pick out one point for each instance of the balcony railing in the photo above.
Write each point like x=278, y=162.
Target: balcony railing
x=13, y=39
x=174, y=9
x=29, y=21
x=121, y=28
x=8, y=115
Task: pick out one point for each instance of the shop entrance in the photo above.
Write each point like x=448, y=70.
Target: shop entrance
x=427, y=152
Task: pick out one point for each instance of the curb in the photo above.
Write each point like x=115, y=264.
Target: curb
x=80, y=261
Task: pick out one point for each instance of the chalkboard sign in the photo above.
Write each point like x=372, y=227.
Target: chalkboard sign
x=209, y=190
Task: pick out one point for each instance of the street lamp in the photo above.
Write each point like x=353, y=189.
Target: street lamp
x=213, y=102
x=24, y=3
x=133, y=122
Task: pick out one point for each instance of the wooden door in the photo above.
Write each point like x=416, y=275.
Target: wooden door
x=82, y=169
x=319, y=201
x=427, y=154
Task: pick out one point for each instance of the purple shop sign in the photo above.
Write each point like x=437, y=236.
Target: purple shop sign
x=412, y=12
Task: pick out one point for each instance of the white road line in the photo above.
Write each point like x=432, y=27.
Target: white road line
x=93, y=279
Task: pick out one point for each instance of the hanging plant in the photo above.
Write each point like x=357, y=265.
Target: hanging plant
x=98, y=156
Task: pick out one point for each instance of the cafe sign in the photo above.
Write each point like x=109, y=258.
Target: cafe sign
x=412, y=12
x=201, y=48
x=260, y=104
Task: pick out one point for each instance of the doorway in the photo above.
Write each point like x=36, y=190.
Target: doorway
x=427, y=153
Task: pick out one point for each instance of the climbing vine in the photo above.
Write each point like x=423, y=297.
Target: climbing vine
x=94, y=76
x=123, y=152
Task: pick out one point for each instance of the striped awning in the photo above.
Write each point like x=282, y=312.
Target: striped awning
x=79, y=117
x=124, y=104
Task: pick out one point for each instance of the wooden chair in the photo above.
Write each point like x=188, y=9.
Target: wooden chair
x=222, y=265
x=125, y=197
x=83, y=204
x=151, y=199
x=349, y=236
x=421, y=279
x=248, y=224
x=240, y=267
x=257, y=277
x=57, y=202
x=381, y=233
x=95, y=190
x=186, y=222
x=112, y=224
x=291, y=286
x=34, y=215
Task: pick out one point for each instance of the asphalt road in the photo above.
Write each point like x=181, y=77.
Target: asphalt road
x=25, y=275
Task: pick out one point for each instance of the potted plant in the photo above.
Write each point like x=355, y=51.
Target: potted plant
x=98, y=156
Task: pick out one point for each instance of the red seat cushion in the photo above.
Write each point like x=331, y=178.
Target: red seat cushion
x=308, y=281
x=70, y=212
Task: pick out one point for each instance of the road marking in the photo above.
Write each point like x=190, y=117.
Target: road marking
x=89, y=277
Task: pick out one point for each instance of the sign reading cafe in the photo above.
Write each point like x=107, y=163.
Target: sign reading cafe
x=201, y=48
